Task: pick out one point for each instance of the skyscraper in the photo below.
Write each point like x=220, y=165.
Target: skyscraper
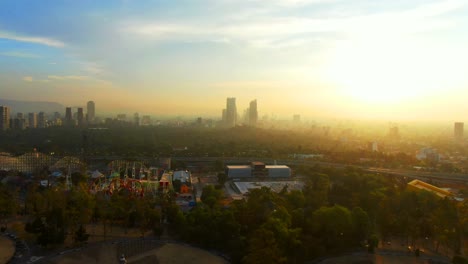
x=136, y=119
x=32, y=120
x=80, y=116
x=253, y=113
x=458, y=131
x=4, y=118
x=231, y=112
x=68, y=116
x=90, y=111
x=41, y=122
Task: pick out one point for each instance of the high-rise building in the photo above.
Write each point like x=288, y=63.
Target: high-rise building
x=4, y=118
x=90, y=111
x=32, y=120
x=19, y=123
x=296, y=119
x=253, y=113
x=68, y=117
x=223, y=116
x=80, y=116
x=41, y=121
x=136, y=119
x=458, y=130
x=231, y=112
x=146, y=120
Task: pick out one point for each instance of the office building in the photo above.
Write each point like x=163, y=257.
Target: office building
x=32, y=120
x=68, y=117
x=257, y=170
x=231, y=112
x=80, y=116
x=136, y=119
x=90, y=112
x=145, y=120
x=297, y=119
x=4, y=118
x=41, y=120
x=458, y=131
x=253, y=113
x=223, y=116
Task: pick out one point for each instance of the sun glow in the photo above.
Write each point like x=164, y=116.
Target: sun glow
x=385, y=71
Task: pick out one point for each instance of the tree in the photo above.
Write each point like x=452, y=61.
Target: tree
x=316, y=190
x=80, y=235
x=222, y=178
x=211, y=196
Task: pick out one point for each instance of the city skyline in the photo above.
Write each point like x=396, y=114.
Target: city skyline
x=318, y=58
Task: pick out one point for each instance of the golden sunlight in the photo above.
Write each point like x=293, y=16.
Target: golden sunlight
x=382, y=71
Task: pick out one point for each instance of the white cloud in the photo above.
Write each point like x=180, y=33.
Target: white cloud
x=68, y=77
x=28, y=78
x=37, y=40
x=19, y=54
x=264, y=31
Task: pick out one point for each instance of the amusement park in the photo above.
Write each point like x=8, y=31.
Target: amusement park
x=135, y=177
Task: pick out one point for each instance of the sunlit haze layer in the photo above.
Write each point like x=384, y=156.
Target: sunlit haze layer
x=366, y=59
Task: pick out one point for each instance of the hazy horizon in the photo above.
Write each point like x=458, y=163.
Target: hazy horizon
x=368, y=60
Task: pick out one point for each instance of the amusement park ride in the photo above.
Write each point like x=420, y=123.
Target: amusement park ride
x=140, y=181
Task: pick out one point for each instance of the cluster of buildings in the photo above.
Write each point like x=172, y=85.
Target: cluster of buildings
x=43, y=120
x=229, y=117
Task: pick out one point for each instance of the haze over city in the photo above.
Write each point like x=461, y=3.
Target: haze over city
x=350, y=59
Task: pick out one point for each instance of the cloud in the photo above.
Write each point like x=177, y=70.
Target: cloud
x=19, y=54
x=29, y=39
x=269, y=30
x=68, y=77
x=28, y=78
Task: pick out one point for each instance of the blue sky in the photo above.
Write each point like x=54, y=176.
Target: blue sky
x=314, y=57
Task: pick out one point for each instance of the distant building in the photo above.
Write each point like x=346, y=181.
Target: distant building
x=372, y=146
x=258, y=170
x=223, y=116
x=136, y=119
x=19, y=123
x=68, y=117
x=428, y=154
x=32, y=120
x=80, y=117
x=253, y=113
x=182, y=175
x=4, y=118
x=145, y=120
x=458, y=131
x=393, y=133
x=417, y=185
x=231, y=112
x=296, y=119
x=90, y=112
x=41, y=120
x=122, y=117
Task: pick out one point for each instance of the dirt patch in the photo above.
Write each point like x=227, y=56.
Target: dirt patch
x=105, y=254
x=163, y=254
x=7, y=249
x=177, y=254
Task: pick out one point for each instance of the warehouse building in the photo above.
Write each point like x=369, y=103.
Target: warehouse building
x=258, y=170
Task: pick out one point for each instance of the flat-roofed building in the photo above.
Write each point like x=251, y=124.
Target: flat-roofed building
x=258, y=170
x=278, y=171
x=238, y=171
x=418, y=185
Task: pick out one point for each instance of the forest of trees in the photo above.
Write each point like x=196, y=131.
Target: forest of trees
x=337, y=211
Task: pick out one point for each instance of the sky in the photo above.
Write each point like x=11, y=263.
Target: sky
x=364, y=59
